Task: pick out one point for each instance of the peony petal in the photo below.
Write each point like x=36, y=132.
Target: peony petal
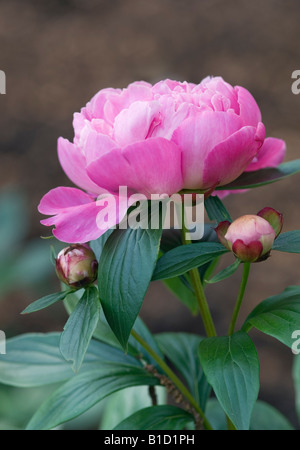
x=73, y=163
x=133, y=124
x=78, y=217
x=229, y=159
x=79, y=224
x=149, y=167
x=271, y=154
x=249, y=110
x=97, y=145
x=197, y=136
x=62, y=198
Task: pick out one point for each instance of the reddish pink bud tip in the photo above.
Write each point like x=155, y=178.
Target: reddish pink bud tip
x=247, y=253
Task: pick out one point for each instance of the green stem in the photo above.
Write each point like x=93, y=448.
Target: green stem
x=173, y=377
x=235, y=314
x=240, y=297
x=199, y=291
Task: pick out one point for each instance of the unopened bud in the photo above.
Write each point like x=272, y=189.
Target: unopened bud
x=76, y=266
x=251, y=237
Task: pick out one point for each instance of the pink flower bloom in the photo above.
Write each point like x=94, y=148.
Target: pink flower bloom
x=156, y=139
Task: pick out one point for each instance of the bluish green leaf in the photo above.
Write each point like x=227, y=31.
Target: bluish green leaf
x=123, y=404
x=262, y=177
x=182, y=350
x=296, y=378
x=277, y=316
x=216, y=210
x=135, y=348
x=186, y=257
x=267, y=418
x=231, y=367
x=264, y=417
x=162, y=417
x=288, y=242
x=85, y=390
x=46, y=301
x=104, y=333
x=125, y=271
x=226, y=273
x=80, y=327
x=34, y=359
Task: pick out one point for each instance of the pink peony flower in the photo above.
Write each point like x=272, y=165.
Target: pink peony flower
x=156, y=139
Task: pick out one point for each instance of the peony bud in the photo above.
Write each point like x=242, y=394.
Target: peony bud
x=250, y=237
x=76, y=266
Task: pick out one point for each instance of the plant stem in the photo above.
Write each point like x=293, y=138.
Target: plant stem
x=173, y=377
x=240, y=297
x=235, y=314
x=199, y=291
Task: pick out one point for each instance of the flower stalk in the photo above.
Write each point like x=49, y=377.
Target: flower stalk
x=173, y=377
x=246, y=271
x=198, y=289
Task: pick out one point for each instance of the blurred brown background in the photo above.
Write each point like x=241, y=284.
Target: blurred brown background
x=58, y=53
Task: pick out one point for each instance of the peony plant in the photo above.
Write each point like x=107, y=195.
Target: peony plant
x=166, y=139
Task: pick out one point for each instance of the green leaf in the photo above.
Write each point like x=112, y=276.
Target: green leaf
x=226, y=273
x=231, y=367
x=170, y=239
x=277, y=316
x=182, y=350
x=186, y=257
x=135, y=348
x=296, y=378
x=46, y=301
x=216, y=210
x=80, y=327
x=262, y=177
x=85, y=390
x=125, y=271
x=264, y=417
x=288, y=242
x=216, y=415
x=123, y=404
x=267, y=418
x=35, y=360
x=163, y=417
x=104, y=333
